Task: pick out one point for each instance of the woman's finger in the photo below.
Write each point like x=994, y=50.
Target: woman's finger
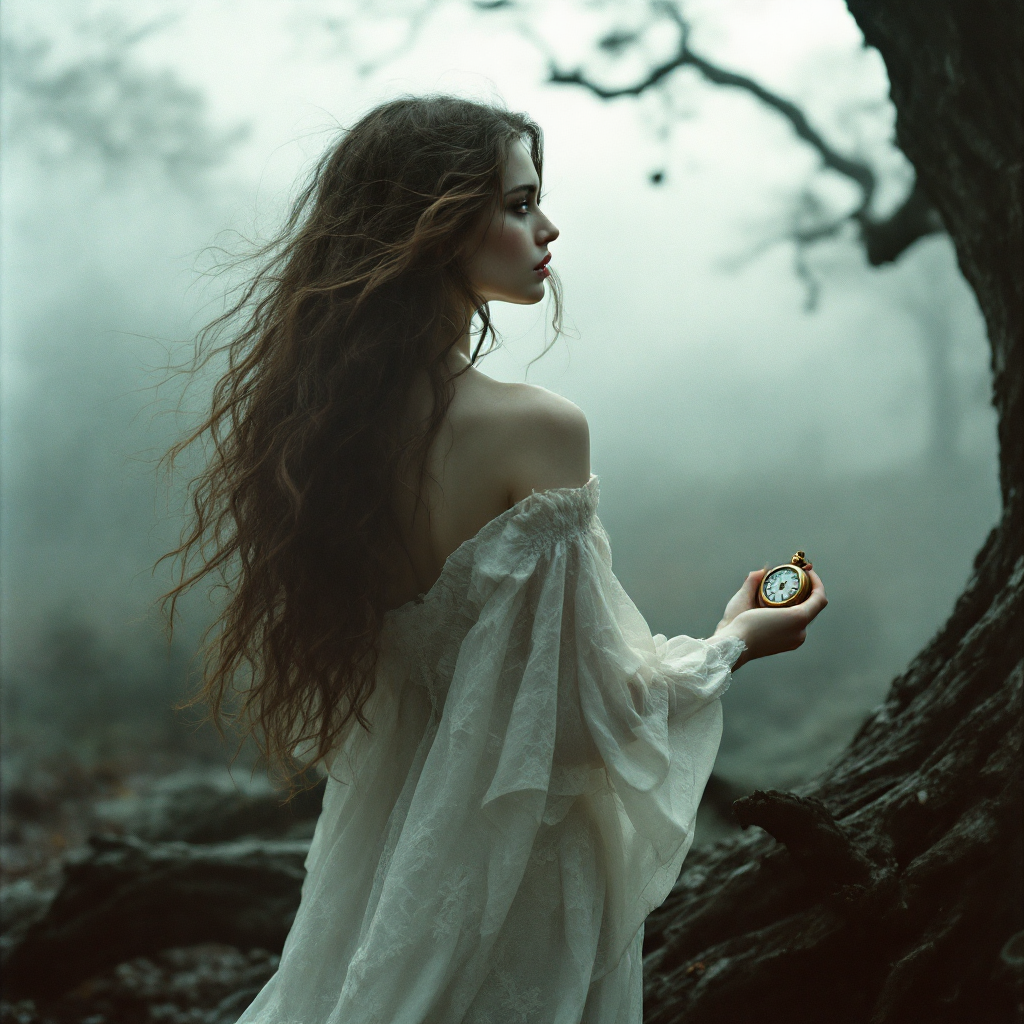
x=817, y=600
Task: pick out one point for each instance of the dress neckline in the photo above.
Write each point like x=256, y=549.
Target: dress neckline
x=534, y=500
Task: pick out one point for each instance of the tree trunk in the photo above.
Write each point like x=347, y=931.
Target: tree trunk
x=892, y=889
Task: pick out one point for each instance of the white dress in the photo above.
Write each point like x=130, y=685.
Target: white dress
x=489, y=852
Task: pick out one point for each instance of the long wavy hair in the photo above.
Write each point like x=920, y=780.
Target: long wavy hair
x=363, y=291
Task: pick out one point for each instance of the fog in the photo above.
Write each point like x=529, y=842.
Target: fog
x=731, y=424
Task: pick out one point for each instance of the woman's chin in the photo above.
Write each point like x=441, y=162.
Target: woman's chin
x=527, y=296
x=534, y=294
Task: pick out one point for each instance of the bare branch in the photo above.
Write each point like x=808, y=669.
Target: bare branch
x=855, y=170
x=883, y=239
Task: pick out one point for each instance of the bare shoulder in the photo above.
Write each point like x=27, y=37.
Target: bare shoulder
x=541, y=440
x=542, y=417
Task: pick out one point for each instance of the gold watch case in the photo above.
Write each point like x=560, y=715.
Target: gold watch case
x=802, y=567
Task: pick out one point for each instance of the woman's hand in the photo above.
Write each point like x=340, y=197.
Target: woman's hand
x=768, y=631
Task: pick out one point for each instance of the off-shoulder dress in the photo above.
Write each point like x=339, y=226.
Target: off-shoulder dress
x=488, y=852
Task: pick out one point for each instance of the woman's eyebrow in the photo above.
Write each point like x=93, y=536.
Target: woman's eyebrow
x=521, y=188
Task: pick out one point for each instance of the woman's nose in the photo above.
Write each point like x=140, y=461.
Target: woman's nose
x=548, y=233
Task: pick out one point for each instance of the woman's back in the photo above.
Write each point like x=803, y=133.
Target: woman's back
x=489, y=850
x=498, y=443
x=515, y=760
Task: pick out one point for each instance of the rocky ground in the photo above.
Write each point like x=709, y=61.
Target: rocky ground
x=205, y=984
x=48, y=812
x=105, y=861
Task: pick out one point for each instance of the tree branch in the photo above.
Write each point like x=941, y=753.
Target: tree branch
x=887, y=239
x=884, y=239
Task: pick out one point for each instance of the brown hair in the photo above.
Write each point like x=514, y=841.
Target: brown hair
x=362, y=292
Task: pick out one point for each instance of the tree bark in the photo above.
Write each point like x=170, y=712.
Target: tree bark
x=892, y=889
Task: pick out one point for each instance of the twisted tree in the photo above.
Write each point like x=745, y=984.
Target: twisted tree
x=890, y=889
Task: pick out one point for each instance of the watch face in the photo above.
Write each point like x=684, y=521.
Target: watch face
x=781, y=585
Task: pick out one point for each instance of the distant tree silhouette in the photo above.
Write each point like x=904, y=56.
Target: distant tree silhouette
x=106, y=106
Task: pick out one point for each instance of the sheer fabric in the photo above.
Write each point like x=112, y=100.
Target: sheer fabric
x=488, y=853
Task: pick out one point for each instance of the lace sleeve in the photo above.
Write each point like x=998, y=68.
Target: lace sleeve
x=605, y=714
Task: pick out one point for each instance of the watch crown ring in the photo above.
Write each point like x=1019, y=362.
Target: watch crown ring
x=801, y=562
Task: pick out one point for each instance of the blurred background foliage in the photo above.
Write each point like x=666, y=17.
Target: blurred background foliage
x=753, y=384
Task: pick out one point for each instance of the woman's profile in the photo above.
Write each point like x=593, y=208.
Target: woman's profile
x=420, y=600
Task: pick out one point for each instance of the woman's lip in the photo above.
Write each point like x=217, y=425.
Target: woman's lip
x=543, y=263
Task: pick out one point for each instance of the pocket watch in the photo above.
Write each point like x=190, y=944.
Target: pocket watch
x=786, y=585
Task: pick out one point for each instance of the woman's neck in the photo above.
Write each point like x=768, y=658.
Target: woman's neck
x=460, y=354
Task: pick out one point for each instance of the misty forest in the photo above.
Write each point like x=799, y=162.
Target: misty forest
x=791, y=252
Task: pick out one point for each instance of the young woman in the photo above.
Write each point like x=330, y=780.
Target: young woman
x=420, y=600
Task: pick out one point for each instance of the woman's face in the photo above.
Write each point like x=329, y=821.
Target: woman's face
x=508, y=254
